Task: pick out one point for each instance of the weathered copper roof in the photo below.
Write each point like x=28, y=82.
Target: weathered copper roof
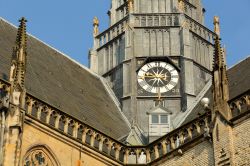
x=64, y=84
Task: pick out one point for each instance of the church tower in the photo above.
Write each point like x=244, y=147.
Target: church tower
x=155, y=48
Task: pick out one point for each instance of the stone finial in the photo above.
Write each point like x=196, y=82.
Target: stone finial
x=96, y=26
x=220, y=80
x=181, y=5
x=130, y=5
x=21, y=36
x=217, y=25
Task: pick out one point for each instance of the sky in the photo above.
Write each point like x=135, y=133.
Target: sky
x=67, y=25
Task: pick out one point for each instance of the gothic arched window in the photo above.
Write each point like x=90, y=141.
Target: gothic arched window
x=40, y=155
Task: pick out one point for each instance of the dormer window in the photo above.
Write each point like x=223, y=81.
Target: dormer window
x=159, y=122
x=159, y=125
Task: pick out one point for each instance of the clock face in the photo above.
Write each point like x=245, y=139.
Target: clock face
x=157, y=76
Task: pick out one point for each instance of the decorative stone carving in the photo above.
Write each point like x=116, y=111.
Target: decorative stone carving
x=240, y=105
x=30, y=103
x=57, y=120
x=181, y=6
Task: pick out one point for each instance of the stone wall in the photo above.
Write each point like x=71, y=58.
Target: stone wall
x=61, y=148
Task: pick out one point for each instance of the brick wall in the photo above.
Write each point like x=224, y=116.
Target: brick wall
x=222, y=140
x=199, y=155
x=241, y=141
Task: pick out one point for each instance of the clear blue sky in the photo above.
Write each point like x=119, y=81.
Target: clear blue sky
x=67, y=25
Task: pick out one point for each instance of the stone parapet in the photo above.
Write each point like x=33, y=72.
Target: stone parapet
x=198, y=29
x=173, y=19
x=111, y=33
x=240, y=105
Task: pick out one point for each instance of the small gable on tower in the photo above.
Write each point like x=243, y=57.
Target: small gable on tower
x=159, y=122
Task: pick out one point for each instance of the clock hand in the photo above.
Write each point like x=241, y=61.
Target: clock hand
x=142, y=77
x=149, y=74
x=163, y=76
x=155, y=75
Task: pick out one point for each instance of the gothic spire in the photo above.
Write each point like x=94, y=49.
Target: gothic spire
x=18, y=66
x=220, y=80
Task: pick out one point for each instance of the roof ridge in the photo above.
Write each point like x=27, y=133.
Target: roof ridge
x=63, y=54
x=115, y=100
x=242, y=60
x=180, y=118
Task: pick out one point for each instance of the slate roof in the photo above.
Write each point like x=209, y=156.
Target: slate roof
x=239, y=83
x=198, y=109
x=239, y=78
x=64, y=84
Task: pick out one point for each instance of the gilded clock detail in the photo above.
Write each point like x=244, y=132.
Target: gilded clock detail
x=157, y=76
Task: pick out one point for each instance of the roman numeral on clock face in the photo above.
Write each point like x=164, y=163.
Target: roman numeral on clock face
x=143, y=83
x=149, y=66
x=174, y=76
x=157, y=64
x=166, y=88
x=149, y=88
x=172, y=83
x=174, y=72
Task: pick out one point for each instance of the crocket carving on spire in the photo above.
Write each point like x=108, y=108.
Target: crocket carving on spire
x=18, y=64
x=220, y=80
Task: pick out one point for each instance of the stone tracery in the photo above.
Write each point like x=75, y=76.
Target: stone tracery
x=39, y=156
